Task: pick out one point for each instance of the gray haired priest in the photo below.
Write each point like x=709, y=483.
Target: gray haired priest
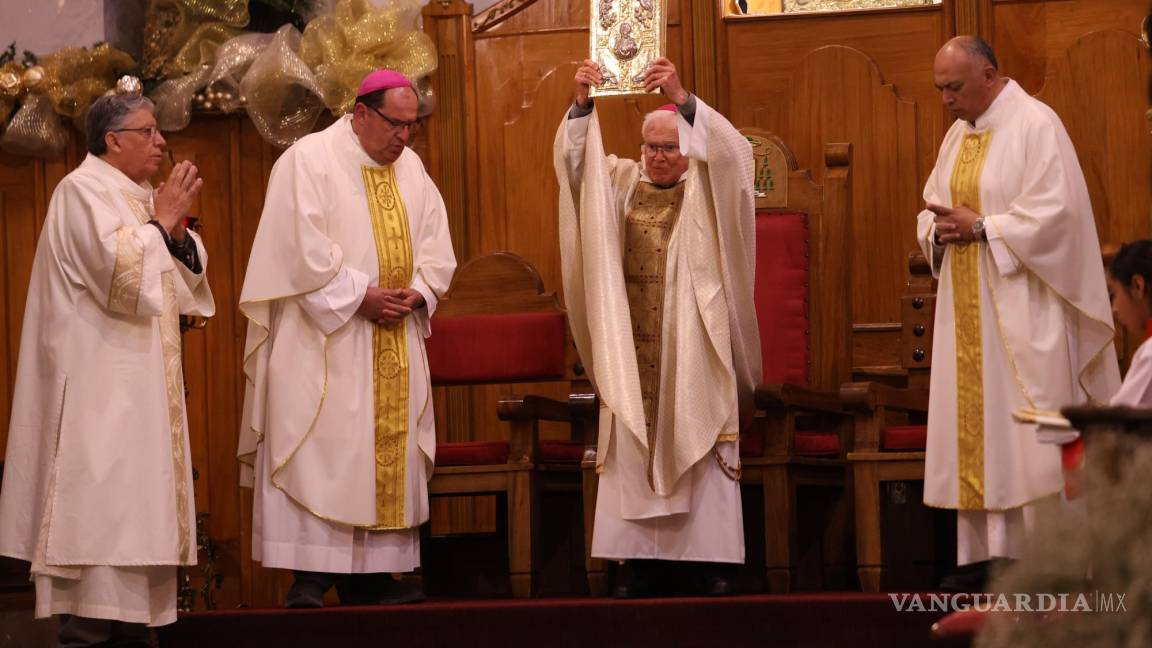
x=658, y=264
x=98, y=479
x=350, y=259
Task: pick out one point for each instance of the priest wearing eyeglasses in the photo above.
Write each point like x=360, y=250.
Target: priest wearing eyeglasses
x=350, y=259
x=658, y=263
x=97, y=489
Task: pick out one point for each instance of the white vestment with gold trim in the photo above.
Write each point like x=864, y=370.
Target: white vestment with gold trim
x=1044, y=321
x=684, y=507
x=308, y=441
x=97, y=490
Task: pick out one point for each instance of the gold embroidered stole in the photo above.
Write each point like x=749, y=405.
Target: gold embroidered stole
x=390, y=346
x=965, y=188
x=648, y=226
x=127, y=276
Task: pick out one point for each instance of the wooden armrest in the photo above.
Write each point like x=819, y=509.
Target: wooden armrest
x=868, y=396
x=531, y=407
x=783, y=396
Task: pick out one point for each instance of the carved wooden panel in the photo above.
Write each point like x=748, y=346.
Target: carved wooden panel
x=819, y=79
x=1103, y=111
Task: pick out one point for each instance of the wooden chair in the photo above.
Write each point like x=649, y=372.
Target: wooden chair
x=890, y=434
x=801, y=436
x=497, y=325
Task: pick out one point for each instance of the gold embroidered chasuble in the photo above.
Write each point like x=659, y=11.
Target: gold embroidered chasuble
x=648, y=227
x=389, y=346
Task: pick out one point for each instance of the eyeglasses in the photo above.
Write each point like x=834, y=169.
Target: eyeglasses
x=148, y=131
x=412, y=126
x=666, y=149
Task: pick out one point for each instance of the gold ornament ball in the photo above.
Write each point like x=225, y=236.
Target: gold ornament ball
x=207, y=105
x=129, y=85
x=10, y=84
x=33, y=76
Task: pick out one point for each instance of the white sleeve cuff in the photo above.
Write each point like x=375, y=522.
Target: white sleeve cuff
x=1006, y=262
x=332, y=305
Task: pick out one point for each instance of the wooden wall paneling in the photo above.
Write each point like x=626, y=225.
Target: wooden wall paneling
x=1030, y=38
x=544, y=16
x=261, y=586
x=967, y=15
x=839, y=95
x=701, y=17
x=843, y=78
x=18, y=234
x=26, y=185
x=1111, y=136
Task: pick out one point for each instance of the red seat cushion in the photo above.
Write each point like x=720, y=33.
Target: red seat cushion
x=906, y=438
x=561, y=451
x=781, y=295
x=965, y=623
x=503, y=348
x=471, y=453
x=816, y=444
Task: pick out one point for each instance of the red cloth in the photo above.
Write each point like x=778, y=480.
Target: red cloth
x=808, y=444
x=816, y=444
x=904, y=438
x=1072, y=459
x=471, y=453
x=561, y=451
x=781, y=295
x=518, y=347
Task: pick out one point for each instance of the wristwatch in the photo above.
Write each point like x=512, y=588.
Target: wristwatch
x=978, y=229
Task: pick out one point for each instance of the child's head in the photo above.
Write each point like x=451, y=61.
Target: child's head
x=1129, y=286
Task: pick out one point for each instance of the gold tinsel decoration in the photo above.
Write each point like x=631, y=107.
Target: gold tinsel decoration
x=174, y=29
x=63, y=84
x=282, y=98
x=357, y=38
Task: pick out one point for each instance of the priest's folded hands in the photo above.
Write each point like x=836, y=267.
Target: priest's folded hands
x=955, y=224
x=174, y=197
x=389, y=306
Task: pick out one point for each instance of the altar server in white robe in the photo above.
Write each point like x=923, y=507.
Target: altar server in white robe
x=97, y=491
x=658, y=266
x=350, y=258
x=1022, y=314
x=1130, y=288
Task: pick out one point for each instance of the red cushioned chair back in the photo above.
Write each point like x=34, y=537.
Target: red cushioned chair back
x=512, y=347
x=781, y=295
x=497, y=325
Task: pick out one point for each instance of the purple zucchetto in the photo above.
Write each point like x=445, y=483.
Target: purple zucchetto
x=669, y=107
x=383, y=80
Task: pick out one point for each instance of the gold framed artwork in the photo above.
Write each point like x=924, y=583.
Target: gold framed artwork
x=768, y=7
x=624, y=37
